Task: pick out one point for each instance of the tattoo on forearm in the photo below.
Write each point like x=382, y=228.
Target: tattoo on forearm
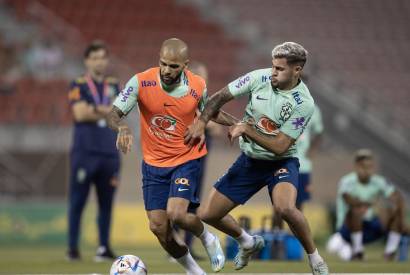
x=114, y=118
x=214, y=103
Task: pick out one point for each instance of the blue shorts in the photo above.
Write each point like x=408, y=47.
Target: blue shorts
x=303, y=189
x=247, y=176
x=161, y=183
x=372, y=231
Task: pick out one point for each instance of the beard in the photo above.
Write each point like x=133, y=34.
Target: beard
x=281, y=85
x=170, y=81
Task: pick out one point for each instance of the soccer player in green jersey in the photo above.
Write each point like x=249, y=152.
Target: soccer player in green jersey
x=279, y=108
x=357, y=222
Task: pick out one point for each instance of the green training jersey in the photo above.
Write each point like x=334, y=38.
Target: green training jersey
x=366, y=192
x=272, y=110
x=315, y=127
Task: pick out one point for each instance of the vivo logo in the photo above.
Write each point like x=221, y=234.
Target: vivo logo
x=242, y=82
x=126, y=94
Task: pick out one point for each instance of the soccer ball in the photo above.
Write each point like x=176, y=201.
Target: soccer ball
x=128, y=265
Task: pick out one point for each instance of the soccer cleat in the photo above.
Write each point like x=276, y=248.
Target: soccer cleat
x=104, y=254
x=390, y=256
x=242, y=258
x=358, y=256
x=73, y=255
x=216, y=255
x=320, y=268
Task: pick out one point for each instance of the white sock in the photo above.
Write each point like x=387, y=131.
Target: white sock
x=245, y=240
x=206, y=237
x=357, y=241
x=392, y=243
x=315, y=258
x=191, y=267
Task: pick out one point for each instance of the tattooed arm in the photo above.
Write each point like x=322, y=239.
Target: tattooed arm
x=197, y=130
x=214, y=103
x=124, y=137
x=225, y=118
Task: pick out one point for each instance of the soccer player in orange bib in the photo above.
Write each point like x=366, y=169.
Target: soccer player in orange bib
x=169, y=98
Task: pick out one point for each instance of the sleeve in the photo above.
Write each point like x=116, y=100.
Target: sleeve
x=316, y=122
x=298, y=120
x=75, y=93
x=127, y=99
x=243, y=85
x=386, y=188
x=203, y=100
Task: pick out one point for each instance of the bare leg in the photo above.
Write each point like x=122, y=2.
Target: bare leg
x=284, y=197
x=160, y=226
x=177, y=211
x=394, y=222
x=354, y=219
x=394, y=217
x=215, y=212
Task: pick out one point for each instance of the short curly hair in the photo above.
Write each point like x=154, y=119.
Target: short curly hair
x=293, y=52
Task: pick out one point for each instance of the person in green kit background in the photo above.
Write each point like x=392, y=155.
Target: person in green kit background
x=278, y=111
x=356, y=220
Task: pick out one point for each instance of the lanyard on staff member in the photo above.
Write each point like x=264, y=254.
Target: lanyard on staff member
x=104, y=99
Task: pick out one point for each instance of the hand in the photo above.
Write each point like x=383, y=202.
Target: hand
x=124, y=139
x=237, y=130
x=194, y=132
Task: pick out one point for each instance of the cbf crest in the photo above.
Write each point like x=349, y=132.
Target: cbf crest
x=286, y=111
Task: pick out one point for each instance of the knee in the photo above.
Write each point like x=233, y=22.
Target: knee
x=176, y=215
x=159, y=228
x=285, y=211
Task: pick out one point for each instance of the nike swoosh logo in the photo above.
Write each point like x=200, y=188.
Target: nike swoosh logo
x=281, y=177
x=182, y=189
x=261, y=98
x=168, y=105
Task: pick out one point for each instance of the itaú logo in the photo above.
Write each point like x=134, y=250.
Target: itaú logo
x=165, y=123
x=267, y=126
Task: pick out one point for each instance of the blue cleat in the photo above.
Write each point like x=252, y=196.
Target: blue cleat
x=216, y=255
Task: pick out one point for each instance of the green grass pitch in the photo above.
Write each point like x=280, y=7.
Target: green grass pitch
x=36, y=259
